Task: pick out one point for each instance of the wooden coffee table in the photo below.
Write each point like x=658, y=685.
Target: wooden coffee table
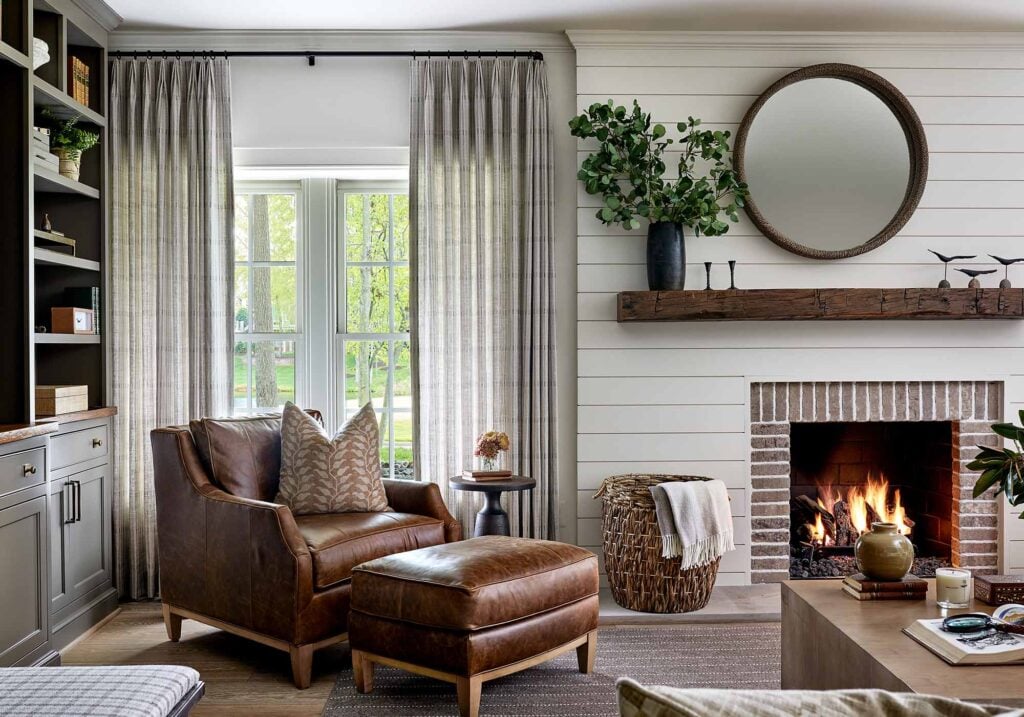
x=831, y=641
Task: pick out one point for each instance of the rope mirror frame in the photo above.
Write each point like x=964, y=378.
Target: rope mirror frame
x=917, y=146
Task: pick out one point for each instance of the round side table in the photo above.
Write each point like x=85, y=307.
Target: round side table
x=492, y=518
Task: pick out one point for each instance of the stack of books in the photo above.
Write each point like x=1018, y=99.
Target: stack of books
x=78, y=74
x=910, y=587
x=486, y=475
x=41, y=149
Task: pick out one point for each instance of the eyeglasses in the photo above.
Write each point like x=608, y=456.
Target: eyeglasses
x=979, y=622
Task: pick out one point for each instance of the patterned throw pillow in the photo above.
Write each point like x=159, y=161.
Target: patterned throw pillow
x=320, y=474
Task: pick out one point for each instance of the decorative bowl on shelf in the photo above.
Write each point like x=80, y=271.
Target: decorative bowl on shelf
x=40, y=53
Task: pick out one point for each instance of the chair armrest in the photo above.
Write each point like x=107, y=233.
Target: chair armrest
x=236, y=559
x=419, y=498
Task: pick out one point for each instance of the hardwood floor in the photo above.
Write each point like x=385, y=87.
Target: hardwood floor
x=242, y=678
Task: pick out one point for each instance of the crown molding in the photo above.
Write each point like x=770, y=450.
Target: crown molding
x=993, y=41
x=326, y=40
x=102, y=13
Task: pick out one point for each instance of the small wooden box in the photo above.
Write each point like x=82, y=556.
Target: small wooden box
x=56, y=400
x=999, y=589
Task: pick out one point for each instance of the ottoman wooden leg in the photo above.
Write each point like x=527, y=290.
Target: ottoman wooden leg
x=302, y=665
x=586, y=652
x=469, y=696
x=172, y=623
x=362, y=672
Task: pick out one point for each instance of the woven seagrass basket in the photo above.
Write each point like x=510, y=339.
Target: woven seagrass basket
x=640, y=579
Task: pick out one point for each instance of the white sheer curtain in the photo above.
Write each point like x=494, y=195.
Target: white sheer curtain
x=482, y=274
x=171, y=276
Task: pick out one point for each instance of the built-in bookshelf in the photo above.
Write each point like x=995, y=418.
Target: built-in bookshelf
x=35, y=265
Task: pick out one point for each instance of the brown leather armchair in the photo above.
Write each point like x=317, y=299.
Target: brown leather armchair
x=231, y=558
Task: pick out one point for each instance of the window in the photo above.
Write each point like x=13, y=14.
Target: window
x=267, y=289
x=374, y=315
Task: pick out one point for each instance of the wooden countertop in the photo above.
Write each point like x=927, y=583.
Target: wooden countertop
x=101, y=412
x=12, y=432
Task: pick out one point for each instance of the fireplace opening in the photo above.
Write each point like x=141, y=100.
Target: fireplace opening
x=844, y=476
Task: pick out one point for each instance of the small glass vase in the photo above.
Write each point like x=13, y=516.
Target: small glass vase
x=489, y=464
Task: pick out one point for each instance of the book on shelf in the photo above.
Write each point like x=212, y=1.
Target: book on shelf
x=78, y=72
x=86, y=297
x=887, y=595
x=908, y=583
x=989, y=647
x=486, y=475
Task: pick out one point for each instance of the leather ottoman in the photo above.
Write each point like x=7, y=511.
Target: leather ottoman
x=472, y=611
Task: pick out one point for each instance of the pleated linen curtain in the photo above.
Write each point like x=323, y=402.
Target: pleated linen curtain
x=482, y=275
x=171, y=276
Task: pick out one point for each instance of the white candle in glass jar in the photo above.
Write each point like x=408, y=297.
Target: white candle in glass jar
x=952, y=587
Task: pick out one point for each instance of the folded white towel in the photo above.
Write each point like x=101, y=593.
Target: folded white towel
x=694, y=519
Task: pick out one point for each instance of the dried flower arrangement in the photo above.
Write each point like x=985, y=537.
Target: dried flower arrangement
x=489, y=445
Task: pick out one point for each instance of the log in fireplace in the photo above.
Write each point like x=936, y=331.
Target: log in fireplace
x=845, y=476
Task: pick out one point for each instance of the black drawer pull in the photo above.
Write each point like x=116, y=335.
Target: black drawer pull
x=97, y=442
x=28, y=470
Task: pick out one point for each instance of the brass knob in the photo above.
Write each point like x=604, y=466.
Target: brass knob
x=96, y=442
x=28, y=469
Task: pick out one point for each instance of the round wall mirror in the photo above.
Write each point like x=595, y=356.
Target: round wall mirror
x=835, y=159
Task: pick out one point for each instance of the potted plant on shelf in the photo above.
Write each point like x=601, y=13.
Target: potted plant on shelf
x=68, y=141
x=627, y=170
x=1002, y=467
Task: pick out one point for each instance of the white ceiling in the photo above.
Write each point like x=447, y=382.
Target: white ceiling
x=557, y=15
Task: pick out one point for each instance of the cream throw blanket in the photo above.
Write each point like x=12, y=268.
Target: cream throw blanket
x=694, y=520
x=636, y=700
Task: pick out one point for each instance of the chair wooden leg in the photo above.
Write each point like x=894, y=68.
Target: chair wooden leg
x=362, y=672
x=302, y=665
x=172, y=623
x=586, y=652
x=469, y=696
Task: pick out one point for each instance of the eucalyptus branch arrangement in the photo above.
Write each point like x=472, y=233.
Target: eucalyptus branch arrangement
x=628, y=169
x=1002, y=467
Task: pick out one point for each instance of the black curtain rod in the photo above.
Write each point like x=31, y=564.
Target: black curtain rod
x=311, y=55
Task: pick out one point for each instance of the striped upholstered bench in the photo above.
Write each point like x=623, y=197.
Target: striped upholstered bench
x=125, y=691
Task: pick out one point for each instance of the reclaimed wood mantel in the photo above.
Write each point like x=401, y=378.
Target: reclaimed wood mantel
x=820, y=304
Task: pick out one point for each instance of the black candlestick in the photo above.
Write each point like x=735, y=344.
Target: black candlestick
x=732, y=274
x=707, y=269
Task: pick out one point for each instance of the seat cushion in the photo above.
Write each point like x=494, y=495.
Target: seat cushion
x=124, y=691
x=475, y=584
x=340, y=541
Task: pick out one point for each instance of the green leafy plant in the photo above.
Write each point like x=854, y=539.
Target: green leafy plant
x=1002, y=467
x=66, y=134
x=628, y=169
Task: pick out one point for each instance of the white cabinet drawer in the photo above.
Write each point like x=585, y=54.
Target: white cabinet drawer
x=79, y=446
x=23, y=469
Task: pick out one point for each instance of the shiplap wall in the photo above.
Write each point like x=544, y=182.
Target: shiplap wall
x=674, y=397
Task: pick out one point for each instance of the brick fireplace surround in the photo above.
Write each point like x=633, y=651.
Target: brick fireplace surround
x=971, y=406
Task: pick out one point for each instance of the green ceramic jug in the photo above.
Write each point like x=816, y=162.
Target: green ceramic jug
x=883, y=553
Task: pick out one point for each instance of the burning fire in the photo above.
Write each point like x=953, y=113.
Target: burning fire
x=862, y=501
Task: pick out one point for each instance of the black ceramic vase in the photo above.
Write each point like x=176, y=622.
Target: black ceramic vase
x=666, y=257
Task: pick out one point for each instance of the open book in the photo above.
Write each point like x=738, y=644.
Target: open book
x=989, y=647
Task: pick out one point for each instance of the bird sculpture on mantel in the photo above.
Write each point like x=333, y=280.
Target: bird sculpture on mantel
x=944, y=284
x=974, y=274
x=1005, y=283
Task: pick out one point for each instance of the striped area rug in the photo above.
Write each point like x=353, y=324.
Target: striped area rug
x=740, y=655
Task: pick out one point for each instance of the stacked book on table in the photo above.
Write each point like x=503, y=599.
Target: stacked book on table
x=910, y=587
